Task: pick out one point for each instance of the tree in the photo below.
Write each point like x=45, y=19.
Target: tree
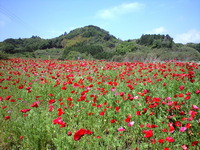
x=125, y=47
x=8, y=48
x=156, y=41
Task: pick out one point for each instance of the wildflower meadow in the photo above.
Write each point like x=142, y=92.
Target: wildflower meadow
x=95, y=104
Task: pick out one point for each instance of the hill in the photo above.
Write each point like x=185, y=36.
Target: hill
x=92, y=42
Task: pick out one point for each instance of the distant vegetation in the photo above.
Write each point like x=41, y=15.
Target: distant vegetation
x=92, y=42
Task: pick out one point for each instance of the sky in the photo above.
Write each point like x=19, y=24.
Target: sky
x=125, y=19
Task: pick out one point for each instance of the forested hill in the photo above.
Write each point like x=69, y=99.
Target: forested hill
x=92, y=42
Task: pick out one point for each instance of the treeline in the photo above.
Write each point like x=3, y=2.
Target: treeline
x=92, y=42
x=29, y=44
x=156, y=47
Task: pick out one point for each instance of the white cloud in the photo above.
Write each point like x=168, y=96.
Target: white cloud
x=159, y=30
x=119, y=10
x=192, y=35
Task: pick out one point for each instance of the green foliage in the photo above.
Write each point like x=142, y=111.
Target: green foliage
x=75, y=55
x=194, y=45
x=3, y=55
x=156, y=41
x=97, y=43
x=90, y=31
x=125, y=47
x=94, y=50
x=75, y=40
x=118, y=58
x=24, y=45
x=48, y=53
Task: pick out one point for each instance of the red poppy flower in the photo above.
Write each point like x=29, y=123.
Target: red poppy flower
x=149, y=133
x=51, y=107
x=69, y=133
x=25, y=110
x=161, y=140
x=169, y=139
x=181, y=87
x=113, y=121
x=51, y=101
x=81, y=132
x=101, y=113
x=153, y=141
x=63, y=88
x=60, y=122
x=128, y=119
x=7, y=97
x=6, y=117
x=194, y=143
x=35, y=104
x=117, y=109
x=60, y=112
x=197, y=91
x=178, y=124
x=138, y=113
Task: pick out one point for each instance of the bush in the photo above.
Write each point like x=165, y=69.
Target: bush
x=3, y=55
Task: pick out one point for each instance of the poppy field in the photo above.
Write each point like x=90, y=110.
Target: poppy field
x=79, y=104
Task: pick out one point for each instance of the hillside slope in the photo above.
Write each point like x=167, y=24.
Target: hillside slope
x=92, y=42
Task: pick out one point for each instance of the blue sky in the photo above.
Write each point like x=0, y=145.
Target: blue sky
x=125, y=19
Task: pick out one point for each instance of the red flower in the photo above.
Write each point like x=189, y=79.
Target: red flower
x=63, y=88
x=51, y=101
x=78, y=134
x=138, y=113
x=59, y=121
x=51, y=107
x=121, y=94
x=128, y=119
x=153, y=141
x=149, y=133
x=144, y=110
x=181, y=87
x=25, y=110
x=117, y=109
x=51, y=94
x=164, y=130
x=60, y=112
x=112, y=121
x=88, y=132
x=197, y=91
x=187, y=97
x=169, y=139
x=6, y=117
x=69, y=133
x=141, y=126
x=35, y=104
x=194, y=143
x=178, y=124
x=188, y=125
x=161, y=140
x=101, y=113
x=7, y=97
